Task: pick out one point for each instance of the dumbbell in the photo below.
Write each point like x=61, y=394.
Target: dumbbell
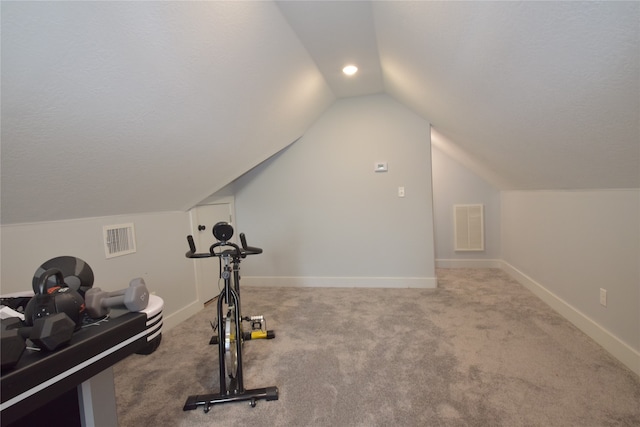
x=48, y=333
x=98, y=303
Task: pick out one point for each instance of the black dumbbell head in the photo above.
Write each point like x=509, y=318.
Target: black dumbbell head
x=48, y=333
x=11, y=323
x=12, y=347
x=52, y=332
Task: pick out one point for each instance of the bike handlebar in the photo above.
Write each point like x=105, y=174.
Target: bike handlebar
x=249, y=250
x=232, y=249
x=236, y=249
x=192, y=249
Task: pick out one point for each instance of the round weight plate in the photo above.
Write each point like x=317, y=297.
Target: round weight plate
x=223, y=231
x=77, y=274
x=230, y=349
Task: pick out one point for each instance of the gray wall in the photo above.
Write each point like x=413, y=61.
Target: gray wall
x=455, y=184
x=160, y=243
x=572, y=243
x=562, y=245
x=325, y=217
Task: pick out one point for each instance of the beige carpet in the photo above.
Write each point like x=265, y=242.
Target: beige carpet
x=480, y=350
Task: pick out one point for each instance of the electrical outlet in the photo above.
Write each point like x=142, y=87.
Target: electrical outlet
x=603, y=297
x=400, y=191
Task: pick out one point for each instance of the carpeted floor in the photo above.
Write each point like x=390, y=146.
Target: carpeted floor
x=480, y=350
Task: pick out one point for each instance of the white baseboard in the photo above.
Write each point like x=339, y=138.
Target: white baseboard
x=468, y=263
x=618, y=349
x=341, y=282
x=180, y=316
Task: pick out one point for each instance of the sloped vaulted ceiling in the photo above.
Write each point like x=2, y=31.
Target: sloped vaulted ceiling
x=546, y=95
x=531, y=95
x=127, y=107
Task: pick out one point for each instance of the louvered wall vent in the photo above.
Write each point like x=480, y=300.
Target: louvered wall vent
x=119, y=240
x=468, y=227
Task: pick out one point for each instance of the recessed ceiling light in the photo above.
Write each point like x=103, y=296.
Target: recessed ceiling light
x=350, y=70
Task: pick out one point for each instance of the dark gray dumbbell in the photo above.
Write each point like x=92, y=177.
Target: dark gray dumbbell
x=98, y=303
x=48, y=333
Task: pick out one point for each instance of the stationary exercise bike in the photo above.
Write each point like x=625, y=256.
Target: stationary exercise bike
x=231, y=336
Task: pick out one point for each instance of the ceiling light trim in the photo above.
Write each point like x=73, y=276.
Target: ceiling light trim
x=350, y=70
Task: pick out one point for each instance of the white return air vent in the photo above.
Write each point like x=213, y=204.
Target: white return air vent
x=119, y=240
x=468, y=223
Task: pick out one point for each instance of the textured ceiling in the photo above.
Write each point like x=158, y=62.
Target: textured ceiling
x=127, y=107
x=339, y=33
x=531, y=95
